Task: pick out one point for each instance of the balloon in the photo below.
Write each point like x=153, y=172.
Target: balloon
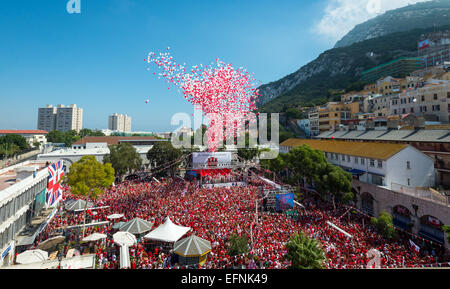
x=220, y=89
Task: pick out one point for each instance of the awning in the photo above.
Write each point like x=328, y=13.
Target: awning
x=356, y=172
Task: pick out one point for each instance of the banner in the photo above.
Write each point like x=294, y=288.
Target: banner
x=55, y=174
x=424, y=44
x=206, y=160
x=284, y=202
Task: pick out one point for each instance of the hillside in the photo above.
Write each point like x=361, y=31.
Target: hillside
x=420, y=15
x=337, y=68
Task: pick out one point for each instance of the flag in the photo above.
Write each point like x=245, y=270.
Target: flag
x=434, y=221
x=424, y=44
x=414, y=246
x=55, y=174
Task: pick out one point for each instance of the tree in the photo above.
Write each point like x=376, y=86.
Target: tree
x=163, y=156
x=88, y=132
x=247, y=153
x=71, y=136
x=304, y=252
x=384, y=225
x=293, y=113
x=8, y=150
x=89, y=178
x=306, y=162
x=334, y=181
x=238, y=245
x=15, y=139
x=447, y=230
x=124, y=159
x=56, y=136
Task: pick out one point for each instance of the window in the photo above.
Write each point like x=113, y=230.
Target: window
x=343, y=157
x=348, y=158
x=408, y=165
x=409, y=182
x=395, y=111
x=372, y=163
x=356, y=160
x=435, y=96
x=362, y=161
x=423, y=97
x=380, y=164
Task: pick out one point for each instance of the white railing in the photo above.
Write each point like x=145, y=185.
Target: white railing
x=422, y=193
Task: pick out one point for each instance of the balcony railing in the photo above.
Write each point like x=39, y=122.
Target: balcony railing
x=422, y=193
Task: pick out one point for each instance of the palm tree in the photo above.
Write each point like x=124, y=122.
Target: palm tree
x=305, y=253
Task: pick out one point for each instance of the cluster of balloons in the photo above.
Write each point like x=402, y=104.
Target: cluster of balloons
x=225, y=94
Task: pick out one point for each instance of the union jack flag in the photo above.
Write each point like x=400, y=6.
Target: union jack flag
x=55, y=174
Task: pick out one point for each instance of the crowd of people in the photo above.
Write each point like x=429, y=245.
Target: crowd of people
x=216, y=213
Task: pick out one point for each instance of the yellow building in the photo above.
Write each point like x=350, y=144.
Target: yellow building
x=335, y=113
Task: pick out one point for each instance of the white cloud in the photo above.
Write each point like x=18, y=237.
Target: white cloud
x=340, y=16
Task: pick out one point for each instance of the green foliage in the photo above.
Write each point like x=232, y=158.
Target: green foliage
x=162, y=156
x=293, y=113
x=304, y=252
x=15, y=139
x=56, y=136
x=314, y=89
x=384, y=225
x=88, y=177
x=124, y=158
x=334, y=181
x=306, y=162
x=88, y=132
x=238, y=245
x=71, y=136
x=8, y=150
x=356, y=86
x=275, y=165
x=447, y=230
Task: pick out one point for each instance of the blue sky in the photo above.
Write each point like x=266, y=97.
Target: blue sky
x=96, y=59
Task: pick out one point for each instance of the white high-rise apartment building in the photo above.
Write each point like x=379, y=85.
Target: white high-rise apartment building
x=60, y=118
x=119, y=122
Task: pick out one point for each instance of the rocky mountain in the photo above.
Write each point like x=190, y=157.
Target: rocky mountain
x=420, y=15
x=339, y=67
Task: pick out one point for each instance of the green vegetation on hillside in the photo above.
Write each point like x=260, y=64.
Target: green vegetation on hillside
x=353, y=60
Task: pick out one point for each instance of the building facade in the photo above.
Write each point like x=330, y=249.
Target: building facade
x=400, y=67
x=395, y=178
x=32, y=136
x=431, y=101
x=119, y=122
x=60, y=118
x=23, y=189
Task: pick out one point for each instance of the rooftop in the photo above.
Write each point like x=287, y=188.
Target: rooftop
x=381, y=151
x=422, y=135
x=8, y=175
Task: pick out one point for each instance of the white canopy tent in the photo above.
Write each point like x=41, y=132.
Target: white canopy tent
x=31, y=256
x=115, y=216
x=167, y=232
x=94, y=237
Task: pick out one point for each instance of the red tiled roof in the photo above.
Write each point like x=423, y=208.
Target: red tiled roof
x=13, y=131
